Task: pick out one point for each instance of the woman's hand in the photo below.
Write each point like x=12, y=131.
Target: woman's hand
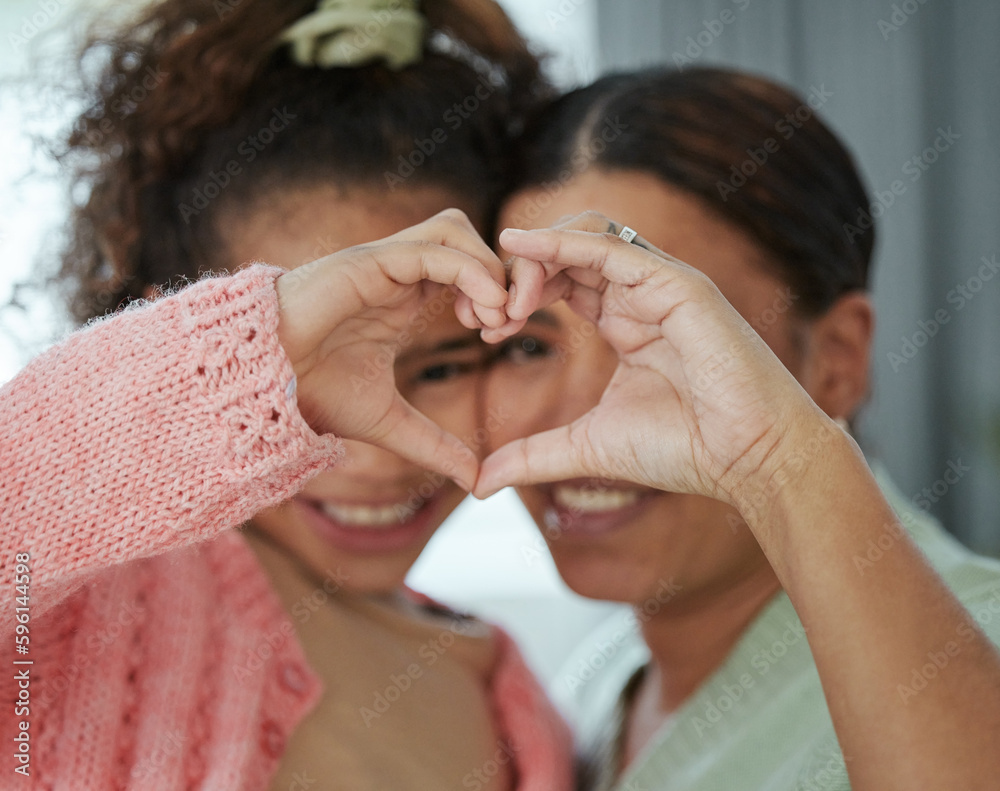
x=698, y=403
x=343, y=319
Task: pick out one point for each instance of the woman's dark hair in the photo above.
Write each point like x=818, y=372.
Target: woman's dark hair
x=194, y=101
x=753, y=151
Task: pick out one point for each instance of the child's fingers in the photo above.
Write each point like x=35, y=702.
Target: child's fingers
x=465, y=312
x=452, y=228
x=415, y=437
x=409, y=263
x=490, y=317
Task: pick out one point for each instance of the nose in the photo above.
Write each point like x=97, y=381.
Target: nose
x=587, y=373
x=526, y=400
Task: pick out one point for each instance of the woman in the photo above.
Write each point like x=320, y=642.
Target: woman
x=169, y=649
x=804, y=627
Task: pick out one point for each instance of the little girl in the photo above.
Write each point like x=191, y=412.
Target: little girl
x=169, y=649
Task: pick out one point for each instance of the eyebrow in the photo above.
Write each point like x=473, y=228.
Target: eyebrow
x=450, y=345
x=545, y=317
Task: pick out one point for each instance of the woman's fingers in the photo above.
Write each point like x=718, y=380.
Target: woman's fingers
x=596, y=223
x=412, y=435
x=527, y=279
x=615, y=259
x=557, y=288
x=640, y=284
x=555, y=455
x=536, y=282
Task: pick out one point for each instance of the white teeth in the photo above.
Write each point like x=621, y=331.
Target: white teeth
x=594, y=500
x=380, y=516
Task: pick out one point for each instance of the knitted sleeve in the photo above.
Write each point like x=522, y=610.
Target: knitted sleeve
x=155, y=428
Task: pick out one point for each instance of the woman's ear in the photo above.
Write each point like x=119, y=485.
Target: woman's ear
x=838, y=355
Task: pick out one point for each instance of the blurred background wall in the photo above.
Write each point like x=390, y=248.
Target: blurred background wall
x=911, y=86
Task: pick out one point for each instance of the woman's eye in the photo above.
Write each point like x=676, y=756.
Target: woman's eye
x=522, y=349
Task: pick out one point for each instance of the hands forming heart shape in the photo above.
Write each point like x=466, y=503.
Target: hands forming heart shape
x=698, y=403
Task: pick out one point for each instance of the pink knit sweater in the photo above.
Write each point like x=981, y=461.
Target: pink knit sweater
x=129, y=453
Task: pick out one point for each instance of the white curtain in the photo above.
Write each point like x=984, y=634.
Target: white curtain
x=914, y=87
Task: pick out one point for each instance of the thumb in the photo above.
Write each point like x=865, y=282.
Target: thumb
x=554, y=455
x=415, y=437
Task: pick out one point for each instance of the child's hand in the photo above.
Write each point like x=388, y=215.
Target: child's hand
x=340, y=315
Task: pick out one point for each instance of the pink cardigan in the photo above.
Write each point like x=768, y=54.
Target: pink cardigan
x=162, y=658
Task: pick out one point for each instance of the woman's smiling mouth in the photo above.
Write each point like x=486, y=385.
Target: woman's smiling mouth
x=586, y=508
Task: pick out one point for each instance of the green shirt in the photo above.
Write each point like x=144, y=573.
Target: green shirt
x=760, y=721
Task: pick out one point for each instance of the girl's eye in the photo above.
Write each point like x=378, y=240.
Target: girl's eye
x=442, y=372
x=522, y=349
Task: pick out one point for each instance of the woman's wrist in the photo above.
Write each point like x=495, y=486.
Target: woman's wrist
x=810, y=472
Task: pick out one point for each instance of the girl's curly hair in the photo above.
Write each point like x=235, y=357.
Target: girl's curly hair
x=177, y=102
